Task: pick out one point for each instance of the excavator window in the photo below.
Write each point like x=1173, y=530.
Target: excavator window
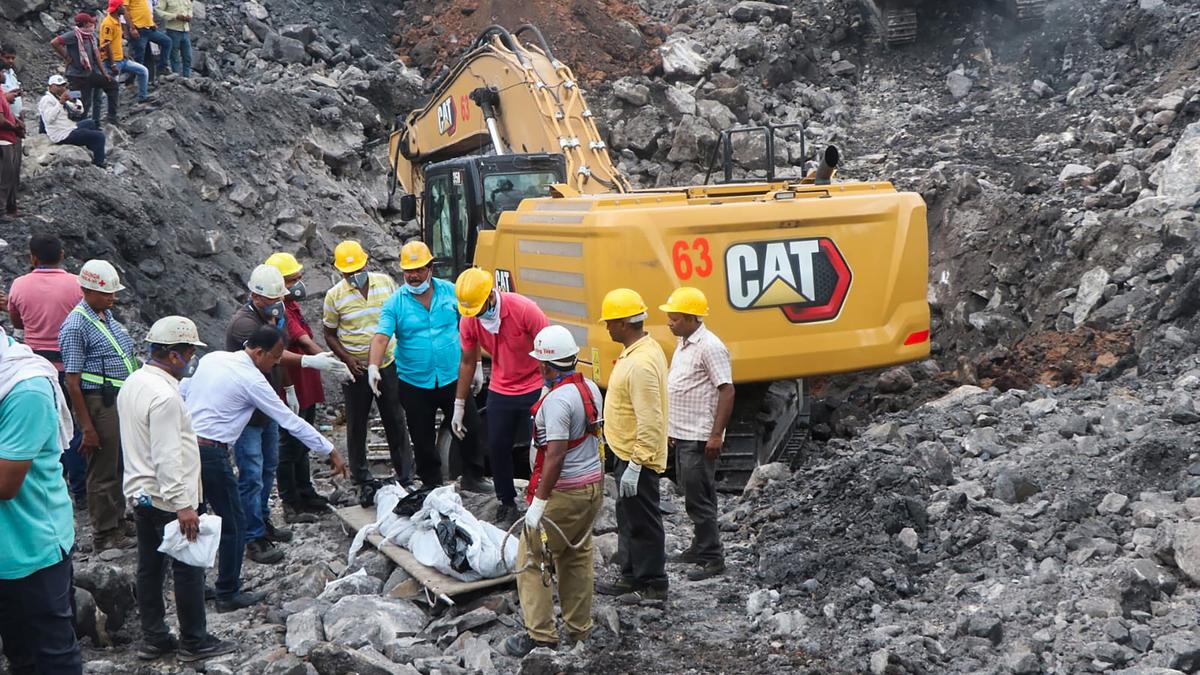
x=504, y=191
x=445, y=223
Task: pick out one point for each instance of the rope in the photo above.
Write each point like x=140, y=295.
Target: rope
x=546, y=566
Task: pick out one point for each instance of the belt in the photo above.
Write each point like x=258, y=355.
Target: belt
x=51, y=355
x=211, y=443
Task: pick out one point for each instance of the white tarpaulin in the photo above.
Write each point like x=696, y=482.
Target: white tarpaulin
x=419, y=534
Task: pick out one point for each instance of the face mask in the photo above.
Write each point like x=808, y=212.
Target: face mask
x=418, y=289
x=189, y=367
x=274, y=310
x=489, y=314
x=298, y=291
x=359, y=279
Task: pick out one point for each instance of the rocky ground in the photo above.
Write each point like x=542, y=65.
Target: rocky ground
x=1023, y=502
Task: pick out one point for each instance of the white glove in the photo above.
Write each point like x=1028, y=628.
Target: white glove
x=629, y=480
x=477, y=379
x=327, y=362
x=456, y=423
x=373, y=378
x=293, y=401
x=533, y=516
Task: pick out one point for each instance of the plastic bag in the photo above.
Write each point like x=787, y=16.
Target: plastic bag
x=199, y=553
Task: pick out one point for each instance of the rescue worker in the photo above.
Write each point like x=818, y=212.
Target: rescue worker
x=635, y=428
x=226, y=390
x=351, y=313
x=422, y=317
x=567, y=487
x=257, y=449
x=162, y=467
x=98, y=355
x=700, y=396
x=504, y=325
x=296, y=491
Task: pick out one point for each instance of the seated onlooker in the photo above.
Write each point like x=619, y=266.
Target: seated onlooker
x=112, y=47
x=59, y=126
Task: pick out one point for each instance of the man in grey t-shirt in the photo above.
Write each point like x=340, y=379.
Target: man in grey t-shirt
x=567, y=489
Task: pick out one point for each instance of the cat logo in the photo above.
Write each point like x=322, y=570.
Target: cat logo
x=806, y=278
x=447, y=122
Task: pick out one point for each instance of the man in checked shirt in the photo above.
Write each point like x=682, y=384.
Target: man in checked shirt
x=700, y=402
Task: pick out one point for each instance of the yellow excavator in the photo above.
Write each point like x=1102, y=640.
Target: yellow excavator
x=806, y=276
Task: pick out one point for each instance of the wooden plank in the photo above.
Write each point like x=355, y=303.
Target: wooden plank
x=439, y=584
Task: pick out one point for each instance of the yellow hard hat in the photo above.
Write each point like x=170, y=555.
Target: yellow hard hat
x=687, y=300
x=472, y=288
x=621, y=303
x=286, y=263
x=349, y=256
x=414, y=255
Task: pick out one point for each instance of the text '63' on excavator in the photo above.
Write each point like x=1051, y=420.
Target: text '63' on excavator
x=506, y=169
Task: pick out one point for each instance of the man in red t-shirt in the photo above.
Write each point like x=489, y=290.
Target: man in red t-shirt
x=293, y=474
x=38, y=303
x=504, y=325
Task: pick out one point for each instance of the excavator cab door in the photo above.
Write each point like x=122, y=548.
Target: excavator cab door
x=446, y=223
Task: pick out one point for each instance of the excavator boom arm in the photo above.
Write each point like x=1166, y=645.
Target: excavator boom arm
x=509, y=97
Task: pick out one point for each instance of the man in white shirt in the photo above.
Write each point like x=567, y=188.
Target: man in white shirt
x=61, y=128
x=225, y=391
x=162, y=480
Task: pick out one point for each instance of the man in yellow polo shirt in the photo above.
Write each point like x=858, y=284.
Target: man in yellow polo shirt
x=112, y=47
x=352, y=309
x=143, y=32
x=635, y=427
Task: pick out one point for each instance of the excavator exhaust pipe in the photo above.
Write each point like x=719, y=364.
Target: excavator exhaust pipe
x=827, y=166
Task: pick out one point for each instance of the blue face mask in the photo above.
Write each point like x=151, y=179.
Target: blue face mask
x=274, y=310
x=419, y=289
x=189, y=369
x=298, y=291
x=490, y=313
x=359, y=279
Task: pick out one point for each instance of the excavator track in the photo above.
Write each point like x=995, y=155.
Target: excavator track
x=899, y=26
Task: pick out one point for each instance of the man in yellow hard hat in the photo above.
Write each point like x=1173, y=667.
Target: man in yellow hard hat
x=351, y=315
x=293, y=475
x=419, y=324
x=635, y=427
x=503, y=324
x=700, y=395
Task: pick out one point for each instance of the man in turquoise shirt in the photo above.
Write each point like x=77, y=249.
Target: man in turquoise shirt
x=35, y=517
x=423, y=317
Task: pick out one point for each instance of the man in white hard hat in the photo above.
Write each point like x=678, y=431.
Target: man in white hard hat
x=567, y=488
x=228, y=387
x=97, y=355
x=257, y=450
x=162, y=479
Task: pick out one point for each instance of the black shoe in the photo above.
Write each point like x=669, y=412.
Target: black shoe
x=150, y=650
x=521, y=644
x=210, y=593
x=506, y=515
x=687, y=555
x=618, y=587
x=296, y=513
x=481, y=485
x=239, y=601
x=647, y=593
x=315, y=503
x=707, y=570
x=263, y=552
x=278, y=534
x=212, y=646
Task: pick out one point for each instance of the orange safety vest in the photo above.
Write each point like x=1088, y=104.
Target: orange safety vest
x=592, y=428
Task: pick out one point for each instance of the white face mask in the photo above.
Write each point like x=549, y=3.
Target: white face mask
x=490, y=319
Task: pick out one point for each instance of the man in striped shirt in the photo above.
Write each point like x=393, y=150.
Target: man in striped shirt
x=351, y=314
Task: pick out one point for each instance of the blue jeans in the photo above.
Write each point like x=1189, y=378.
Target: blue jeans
x=141, y=72
x=181, y=45
x=257, y=457
x=37, y=624
x=221, y=495
x=507, y=420
x=88, y=135
x=140, y=49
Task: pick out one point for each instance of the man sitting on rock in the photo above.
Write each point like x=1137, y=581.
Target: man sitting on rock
x=59, y=127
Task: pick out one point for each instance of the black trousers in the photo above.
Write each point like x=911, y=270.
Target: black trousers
x=293, y=474
x=421, y=406
x=698, y=477
x=641, y=540
x=90, y=88
x=359, y=397
x=37, y=623
x=151, y=572
x=507, y=416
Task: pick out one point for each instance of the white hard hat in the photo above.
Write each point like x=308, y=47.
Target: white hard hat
x=174, y=330
x=267, y=281
x=554, y=343
x=99, y=275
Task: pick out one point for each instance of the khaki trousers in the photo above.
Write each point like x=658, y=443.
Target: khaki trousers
x=574, y=511
x=106, y=503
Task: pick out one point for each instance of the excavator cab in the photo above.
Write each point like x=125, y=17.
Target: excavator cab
x=466, y=195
